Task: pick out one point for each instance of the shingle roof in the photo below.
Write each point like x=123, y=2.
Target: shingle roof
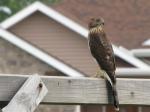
x=126, y=20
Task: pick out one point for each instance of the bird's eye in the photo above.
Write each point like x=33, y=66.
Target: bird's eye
x=103, y=23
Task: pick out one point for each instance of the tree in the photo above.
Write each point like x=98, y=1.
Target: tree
x=16, y=5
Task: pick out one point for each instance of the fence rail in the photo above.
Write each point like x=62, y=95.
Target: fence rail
x=71, y=90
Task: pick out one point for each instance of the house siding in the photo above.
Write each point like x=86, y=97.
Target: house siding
x=16, y=61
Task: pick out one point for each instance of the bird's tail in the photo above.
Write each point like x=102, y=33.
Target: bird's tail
x=111, y=81
x=115, y=98
x=111, y=84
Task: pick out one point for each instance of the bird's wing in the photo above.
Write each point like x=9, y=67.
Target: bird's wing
x=102, y=51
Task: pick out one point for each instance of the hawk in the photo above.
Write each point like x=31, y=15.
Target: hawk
x=101, y=50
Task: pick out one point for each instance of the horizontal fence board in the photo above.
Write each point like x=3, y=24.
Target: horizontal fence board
x=71, y=90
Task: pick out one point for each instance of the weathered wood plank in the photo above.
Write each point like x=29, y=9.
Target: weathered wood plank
x=28, y=97
x=68, y=90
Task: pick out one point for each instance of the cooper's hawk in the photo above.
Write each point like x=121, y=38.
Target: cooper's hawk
x=101, y=50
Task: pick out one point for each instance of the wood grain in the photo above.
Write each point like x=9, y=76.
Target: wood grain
x=28, y=97
x=69, y=90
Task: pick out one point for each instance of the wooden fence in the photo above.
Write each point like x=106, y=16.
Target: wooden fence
x=72, y=90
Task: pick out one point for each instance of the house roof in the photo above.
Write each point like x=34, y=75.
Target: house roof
x=125, y=20
x=146, y=43
x=5, y=9
x=141, y=52
x=38, y=6
x=133, y=72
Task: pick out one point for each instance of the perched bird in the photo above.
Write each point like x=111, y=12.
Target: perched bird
x=101, y=50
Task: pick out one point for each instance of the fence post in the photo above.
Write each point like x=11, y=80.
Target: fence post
x=28, y=97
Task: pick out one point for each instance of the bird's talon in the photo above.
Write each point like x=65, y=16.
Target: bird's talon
x=99, y=74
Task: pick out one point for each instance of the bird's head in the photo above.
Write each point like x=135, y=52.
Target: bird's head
x=96, y=22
